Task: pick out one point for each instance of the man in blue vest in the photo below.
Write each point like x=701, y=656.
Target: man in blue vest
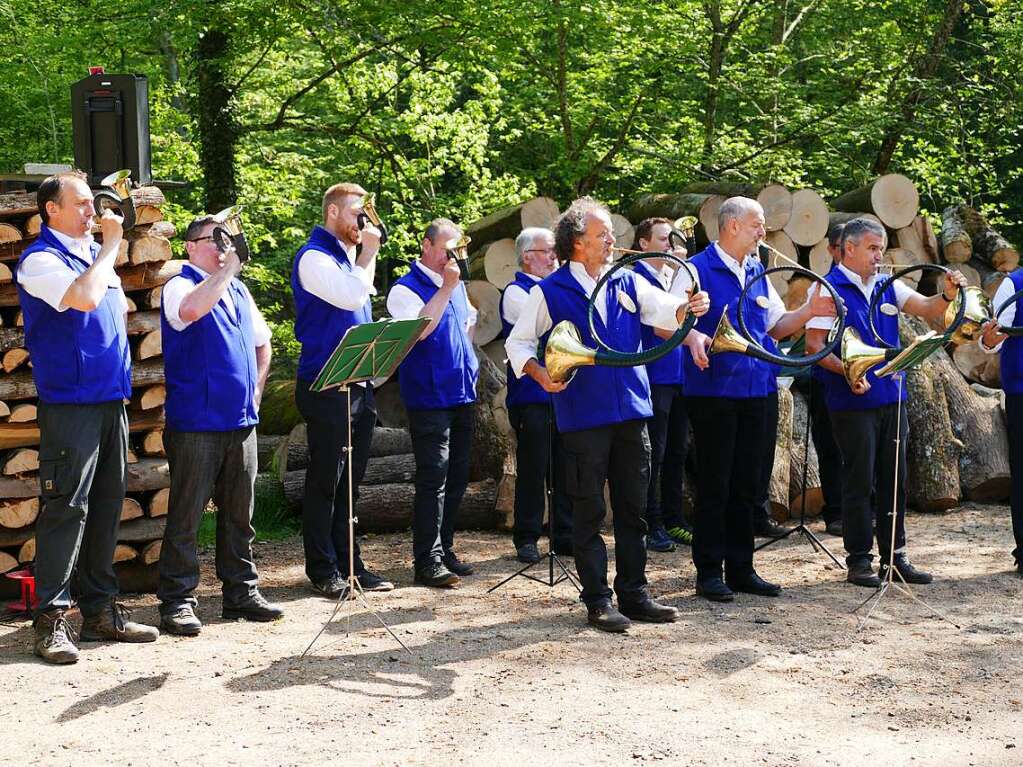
x=75, y=332
x=867, y=416
x=438, y=386
x=216, y=354
x=332, y=282
x=669, y=426
x=602, y=412
x=728, y=402
x=538, y=461
x=1011, y=350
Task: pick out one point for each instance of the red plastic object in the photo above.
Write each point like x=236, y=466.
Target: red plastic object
x=28, y=591
x=96, y=70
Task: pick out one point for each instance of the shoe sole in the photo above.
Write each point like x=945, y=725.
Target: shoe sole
x=865, y=584
x=757, y=593
x=447, y=583
x=651, y=619
x=127, y=640
x=616, y=629
x=233, y=615
x=379, y=589
x=715, y=597
x=56, y=661
x=178, y=631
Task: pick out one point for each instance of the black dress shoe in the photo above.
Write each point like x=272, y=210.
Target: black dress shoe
x=863, y=575
x=904, y=568
x=754, y=584
x=331, y=587
x=254, y=608
x=455, y=565
x=606, y=618
x=834, y=527
x=528, y=554
x=563, y=548
x=649, y=611
x=715, y=590
x=768, y=528
x=437, y=575
x=370, y=581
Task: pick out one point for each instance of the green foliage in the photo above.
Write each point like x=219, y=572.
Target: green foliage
x=445, y=107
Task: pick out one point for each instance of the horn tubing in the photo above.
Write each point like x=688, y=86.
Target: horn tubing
x=872, y=309
x=759, y=352
x=1009, y=330
x=612, y=357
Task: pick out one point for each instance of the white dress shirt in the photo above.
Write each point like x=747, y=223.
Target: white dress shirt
x=404, y=304
x=1004, y=292
x=320, y=274
x=175, y=290
x=656, y=308
x=902, y=294
x=664, y=275
x=515, y=300
x=775, y=307
x=46, y=277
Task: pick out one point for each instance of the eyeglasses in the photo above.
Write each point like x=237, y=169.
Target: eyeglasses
x=209, y=237
x=540, y=250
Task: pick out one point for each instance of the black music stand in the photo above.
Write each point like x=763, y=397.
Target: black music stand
x=367, y=351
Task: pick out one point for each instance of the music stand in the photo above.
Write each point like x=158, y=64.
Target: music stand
x=367, y=351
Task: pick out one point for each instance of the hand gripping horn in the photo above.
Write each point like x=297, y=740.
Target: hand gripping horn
x=565, y=350
x=1009, y=330
x=116, y=196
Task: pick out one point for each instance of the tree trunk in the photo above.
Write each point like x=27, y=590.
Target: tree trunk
x=956, y=243
x=814, y=497
x=218, y=130
x=779, y=490
x=496, y=262
x=809, y=220
x=509, y=221
x=487, y=300
x=892, y=198
x=671, y=206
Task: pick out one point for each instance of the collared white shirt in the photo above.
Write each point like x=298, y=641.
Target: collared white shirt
x=178, y=287
x=319, y=274
x=664, y=275
x=404, y=304
x=46, y=277
x=902, y=294
x=515, y=299
x=1004, y=292
x=775, y=307
x=656, y=308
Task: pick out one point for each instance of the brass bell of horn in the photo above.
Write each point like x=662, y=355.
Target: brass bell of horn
x=858, y=357
x=369, y=213
x=116, y=196
x=683, y=232
x=727, y=338
x=978, y=311
x=565, y=352
x=458, y=249
x=228, y=232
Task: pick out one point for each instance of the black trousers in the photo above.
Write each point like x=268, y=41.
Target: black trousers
x=325, y=503
x=620, y=455
x=1014, y=418
x=441, y=440
x=762, y=504
x=83, y=453
x=730, y=448
x=538, y=448
x=866, y=440
x=669, y=441
x=220, y=465
x=829, y=459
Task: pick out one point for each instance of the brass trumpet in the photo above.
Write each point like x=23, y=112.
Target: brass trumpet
x=228, y=232
x=369, y=213
x=116, y=197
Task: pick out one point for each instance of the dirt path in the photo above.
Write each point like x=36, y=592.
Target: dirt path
x=515, y=678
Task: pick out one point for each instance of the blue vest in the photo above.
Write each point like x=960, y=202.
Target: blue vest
x=442, y=369
x=731, y=375
x=1012, y=350
x=521, y=391
x=668, y=370
x=77, y=357
x=211, y=366
x=319, y=325
x=883, y=391
x=599, y=395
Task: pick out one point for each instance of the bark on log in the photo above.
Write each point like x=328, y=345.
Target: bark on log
x=489, y=440
x=266, y=446
x=390, y=409
x=21, y=513
x=933, y=450
x=159, y=503
x=130, y=509
x=20, y=461
x=390, y=442
x=671, y=206
x=143, y=322
x=19, y=487
x=778, y=494
x=496, y=262
x=893, y=198
x=989, y=278
x=144, y=529
x=509, y=221
x=956, y=243
x=11, y=338
x=809, y=220
x=148, y=474
x=16, y=537
x=487, y=300
x=278, y=413
x=391, y=469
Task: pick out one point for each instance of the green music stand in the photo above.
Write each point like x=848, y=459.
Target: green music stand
x=368, y=351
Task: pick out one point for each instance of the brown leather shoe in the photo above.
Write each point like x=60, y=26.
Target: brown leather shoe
x=55, y=639
x=113, y=624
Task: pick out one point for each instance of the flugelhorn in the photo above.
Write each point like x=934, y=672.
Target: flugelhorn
x=228, y=232
x=116, y=196
x=565, y=350
x=458, y=249
x=369, y=213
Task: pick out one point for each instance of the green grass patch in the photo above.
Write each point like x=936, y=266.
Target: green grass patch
x=271, y=518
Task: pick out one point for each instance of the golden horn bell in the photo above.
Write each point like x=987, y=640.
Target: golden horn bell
x=120, y=182
x=369, y=208
x=727, y=338
x=230, y=219
x=858, y=356
x=565, y=352
x=459, y=245
x=686, y=225
x=978, y=311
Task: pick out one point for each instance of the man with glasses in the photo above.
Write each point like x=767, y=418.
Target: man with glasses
x=537, y=453
x=216, y=352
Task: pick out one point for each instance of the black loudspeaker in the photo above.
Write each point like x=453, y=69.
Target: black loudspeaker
x=110, y=123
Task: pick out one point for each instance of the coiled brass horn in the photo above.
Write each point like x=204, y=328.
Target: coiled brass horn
x=978, y=311
x=228, y=232
x=369, y=213
x=458, y=249
x=683, y=232
x=116, y=197
x=565, y=351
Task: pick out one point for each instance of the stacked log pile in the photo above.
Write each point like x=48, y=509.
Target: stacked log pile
x=144, y=264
